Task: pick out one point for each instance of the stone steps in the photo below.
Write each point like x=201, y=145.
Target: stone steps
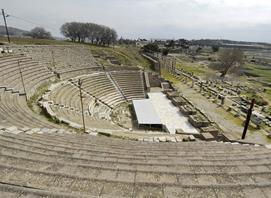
x=55, y=164
x=99, y=151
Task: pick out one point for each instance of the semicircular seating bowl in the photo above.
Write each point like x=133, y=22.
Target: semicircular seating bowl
x=101, y=94
x=61, y=164
x=14, y=109
x=66, y=60
x=38, y=65
x=131, y=83
x=72, y=165
x=65, y=103
x=100, y=86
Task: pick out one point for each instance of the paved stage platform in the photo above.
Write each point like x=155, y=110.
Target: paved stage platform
x=170, y=115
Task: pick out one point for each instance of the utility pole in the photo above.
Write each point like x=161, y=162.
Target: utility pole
x=82, y=107
x=4, y=16
x=20, y=70
x=249, y=113
x=53, y=60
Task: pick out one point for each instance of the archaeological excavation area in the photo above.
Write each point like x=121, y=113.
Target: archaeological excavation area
x=71, y=127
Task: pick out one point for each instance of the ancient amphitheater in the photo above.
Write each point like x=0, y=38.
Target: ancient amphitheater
x=43, y=157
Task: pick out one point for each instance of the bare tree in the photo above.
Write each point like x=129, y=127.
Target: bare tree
x=230, y=59
x=39, y=33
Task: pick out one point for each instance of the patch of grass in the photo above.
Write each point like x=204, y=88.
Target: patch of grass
x=126, y=54
x=32, y=101
x=260, y=71
x=169, y=76
x=31, y=41
x=196, y=69
x=235, y=120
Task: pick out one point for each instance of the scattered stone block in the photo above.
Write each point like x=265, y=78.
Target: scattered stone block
x=185, y=138
x=16, y=131
x=162, y=139
x=45, y=130
x=192, y=138
x=165, y=86
x=172, y=94
x=156, y=139
x=148, y=139
x=93, y=133
x=179, y=138
x=140, y=139
x=208, y=136
x=188, y=110
x=29, y=132
x=179, y=131
x=52, y=130
x=61, y=131
x=198, y=121
x=173, y=139
x=105, y=133
x=35, y=130
x=209, y=129
x=11, y=129
x=178, y=101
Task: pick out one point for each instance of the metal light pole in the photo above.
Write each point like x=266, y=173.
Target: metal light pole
x=22, y=79
x=248, y=118
x=82, y=107
x=4, y=16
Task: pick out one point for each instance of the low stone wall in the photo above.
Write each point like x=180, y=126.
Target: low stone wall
x=121, y=68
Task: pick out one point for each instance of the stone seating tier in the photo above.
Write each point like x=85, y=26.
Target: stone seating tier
x=62, y=164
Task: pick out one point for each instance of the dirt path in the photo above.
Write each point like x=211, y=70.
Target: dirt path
x=213, y=111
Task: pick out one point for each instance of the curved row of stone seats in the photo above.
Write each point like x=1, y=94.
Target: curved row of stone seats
x=69, y=165
x=131, y=83
x=66, y=94
x=33, y=74
x=74, y=119
x=64, y=101
x=100, y=86
x=15, y=112
x=66, y=60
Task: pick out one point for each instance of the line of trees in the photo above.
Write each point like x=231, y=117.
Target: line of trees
x=96, y=34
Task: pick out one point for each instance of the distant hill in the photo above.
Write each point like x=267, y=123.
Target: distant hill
x=12, y=31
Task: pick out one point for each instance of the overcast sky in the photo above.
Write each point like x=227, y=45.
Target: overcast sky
x=248, y=20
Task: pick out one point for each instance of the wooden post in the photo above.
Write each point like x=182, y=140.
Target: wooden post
x=5, y=21
x=22, y=79
x=53, y=60
x=82, y=107
x=249, y=113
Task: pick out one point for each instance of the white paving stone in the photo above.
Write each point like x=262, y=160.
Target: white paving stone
x=169, y=114
x=162, y=139
x=179, y=139
x=35, y=130
x=10, y=129
x=45, y=130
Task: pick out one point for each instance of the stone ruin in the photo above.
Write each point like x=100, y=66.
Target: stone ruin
x=198, y=121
